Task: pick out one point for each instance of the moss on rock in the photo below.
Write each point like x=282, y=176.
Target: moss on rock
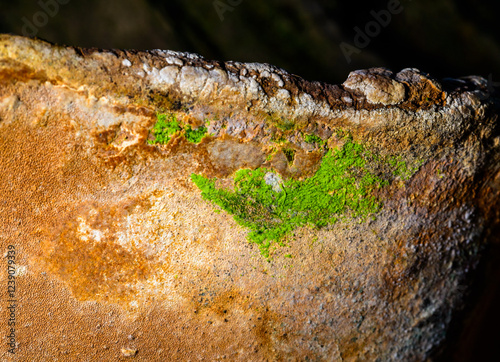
x=341, y=185
x=167, y=125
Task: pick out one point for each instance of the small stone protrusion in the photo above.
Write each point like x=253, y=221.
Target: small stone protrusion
x=423, y=91
x=377, y=85
x=129, y=352
x=274, y=181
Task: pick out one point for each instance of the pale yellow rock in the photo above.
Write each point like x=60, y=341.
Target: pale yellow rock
x=128, y=352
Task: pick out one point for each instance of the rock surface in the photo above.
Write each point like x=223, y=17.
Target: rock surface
x=113, y=239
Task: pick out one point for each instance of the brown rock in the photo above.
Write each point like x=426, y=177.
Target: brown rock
x=110, y=231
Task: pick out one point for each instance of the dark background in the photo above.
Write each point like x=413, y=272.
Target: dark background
x=443, y=37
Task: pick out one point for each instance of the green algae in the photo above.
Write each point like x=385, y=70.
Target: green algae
x=401, y=168
x=195, y=135
x=271, y=208
x=311, y=138
x=167, y=125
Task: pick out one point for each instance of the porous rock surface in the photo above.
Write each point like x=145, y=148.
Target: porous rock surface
x=118, y=252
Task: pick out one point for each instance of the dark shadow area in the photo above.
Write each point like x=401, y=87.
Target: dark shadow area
x=445, y=38
x=474, y=334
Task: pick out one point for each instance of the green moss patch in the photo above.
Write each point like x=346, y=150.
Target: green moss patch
x=272, y=208
x=311, y=138
x=401, y=168
x=195, y=135
x=167, y=125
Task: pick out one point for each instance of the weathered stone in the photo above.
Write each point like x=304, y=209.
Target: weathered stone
x=128, y=352
x=377, y=86
x=114, y=239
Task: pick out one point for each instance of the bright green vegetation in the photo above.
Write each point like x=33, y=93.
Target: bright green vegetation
x=167, y=125
x=272, y=208
x=311, y=138
x=195, y=136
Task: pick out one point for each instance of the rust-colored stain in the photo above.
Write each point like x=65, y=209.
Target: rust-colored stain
x=12, y=71
x=96, y=269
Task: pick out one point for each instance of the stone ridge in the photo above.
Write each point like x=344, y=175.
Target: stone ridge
x=189, y=79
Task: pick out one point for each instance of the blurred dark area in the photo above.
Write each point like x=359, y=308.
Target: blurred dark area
x=442, y=37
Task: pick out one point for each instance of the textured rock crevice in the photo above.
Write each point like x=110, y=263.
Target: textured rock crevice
x=117, y=240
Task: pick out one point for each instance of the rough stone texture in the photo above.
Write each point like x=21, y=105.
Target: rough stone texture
x=119, y=255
